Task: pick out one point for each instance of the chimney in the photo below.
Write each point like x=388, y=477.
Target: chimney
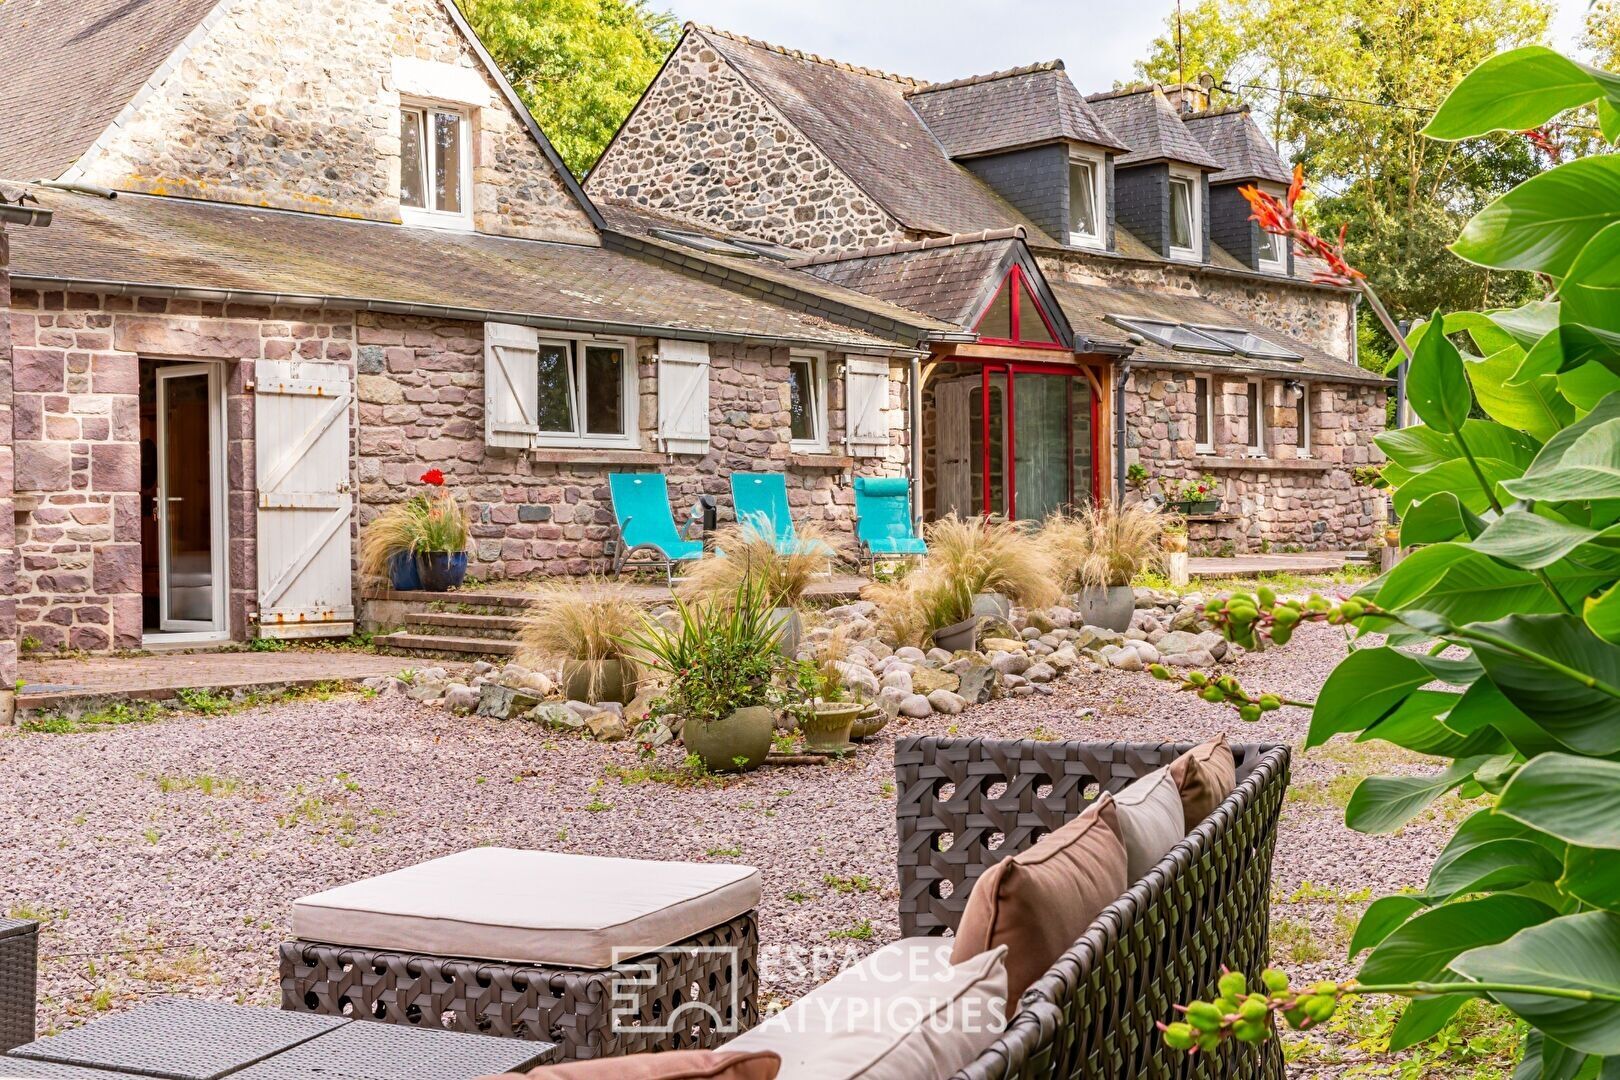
x=1193, y=96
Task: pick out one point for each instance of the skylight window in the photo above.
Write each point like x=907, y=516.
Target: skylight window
x=1242, y=341
x=1198, y=338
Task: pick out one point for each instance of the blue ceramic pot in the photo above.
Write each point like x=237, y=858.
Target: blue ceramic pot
x=402, y=573
x=441, y=571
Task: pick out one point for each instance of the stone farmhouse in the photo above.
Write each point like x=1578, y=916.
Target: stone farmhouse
x=1123, y=308
x=298, y=253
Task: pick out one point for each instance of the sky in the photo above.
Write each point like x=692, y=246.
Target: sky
x=949, y=39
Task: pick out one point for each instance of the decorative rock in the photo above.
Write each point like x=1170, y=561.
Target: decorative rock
x=432, y=674
x=502, y=702
x=427, y=691
x=862, y=656
x=977, y=682
x=660, y=735
x=1009, y=663
x=482, y=667
x=1186, y=619
x=917, y=706
x=938, y=656
x=553, y=715
x=1133, y=634
x=1147, y=652
x=898, y=679
x=1002, y=645
x=1027, y=690
x=637, y=710
x=858, y=679
x=459, y=697
x=1213, y=644
x=859, y=609
x=1013, y=682
x=1126, y=660
x=946, y=702
x=1041, y=648
x=583, y=709
x=1177, y=642
x=890, y=698
x=537, y=683
x=393, y=687
x=606, y=727
x=878, y=648
x=1030, y=633
x=1095, y=637
x=926, y=680
x=1040, y=673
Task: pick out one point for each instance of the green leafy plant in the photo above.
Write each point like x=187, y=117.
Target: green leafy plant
x=1501, y=649
x=718, y=657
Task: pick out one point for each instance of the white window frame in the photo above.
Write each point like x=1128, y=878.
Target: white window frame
x=1254, y=444
x=818, y=416
x=1099, y=194
x=630, y=439
x=1305, y=420
x=426, y=215
x=1195, y=207
x=1278, y=265
x=1206, y=402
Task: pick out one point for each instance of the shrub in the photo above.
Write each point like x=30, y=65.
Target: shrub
x=584, y=621
x=719, y=657
x=426, y=522
x=1103, y=544
x=745, y=553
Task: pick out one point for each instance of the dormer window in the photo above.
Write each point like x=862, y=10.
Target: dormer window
x=1186, y=218
x=1271, y=254
x=435, y=167
x=1087, y=201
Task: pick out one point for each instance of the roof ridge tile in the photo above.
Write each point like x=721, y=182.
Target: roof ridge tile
x=799, y=54
x=994, y=76
x=897, y=247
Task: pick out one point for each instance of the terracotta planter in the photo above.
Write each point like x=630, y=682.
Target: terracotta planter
x=618, y=680
x=828, y=727
x=1109, y=607
x=958, y=636
x=736, y=743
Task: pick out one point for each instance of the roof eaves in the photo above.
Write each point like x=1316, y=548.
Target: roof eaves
x=1016, y=232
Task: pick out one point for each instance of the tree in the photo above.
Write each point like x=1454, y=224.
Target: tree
x=1600, y=36
x=579, y=65
x=1346, y=86
x=1494, y=647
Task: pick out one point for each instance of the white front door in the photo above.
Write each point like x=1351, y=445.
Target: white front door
x=190, y=500
x=301, y=434
x=953, y=441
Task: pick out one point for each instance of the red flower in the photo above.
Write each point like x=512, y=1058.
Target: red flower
x=1279, y=218
x=434, y=477
x=1546, y=139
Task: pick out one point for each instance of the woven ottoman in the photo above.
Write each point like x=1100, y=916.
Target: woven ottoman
x=19, y=968
x=601, y=956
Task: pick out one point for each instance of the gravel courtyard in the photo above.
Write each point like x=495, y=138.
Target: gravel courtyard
x=164, y=856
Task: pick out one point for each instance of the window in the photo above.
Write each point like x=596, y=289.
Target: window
x=1257, y=419
x=1204, y=423
x=1272, y=254
x=1016, y=317
x=1172, y=335
x=1304, y=407
x=1186, y=219
x=807, y=403
x=435, y=164
x=1087, y=204
x=1246, y=342
x=586, y=394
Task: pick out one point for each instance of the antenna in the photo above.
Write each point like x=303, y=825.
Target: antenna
x=1181, y=58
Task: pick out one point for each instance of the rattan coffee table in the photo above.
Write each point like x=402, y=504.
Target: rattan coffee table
x=176, y=1039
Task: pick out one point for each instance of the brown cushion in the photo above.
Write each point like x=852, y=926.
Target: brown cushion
x=1206, y=775
x=1039, y=901
x=671, y=1065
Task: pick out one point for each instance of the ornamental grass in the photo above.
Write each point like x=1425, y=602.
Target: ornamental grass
x=1103, y=544
x=746, y=554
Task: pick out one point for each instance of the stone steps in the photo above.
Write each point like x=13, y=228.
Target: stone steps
x=467, y=624
x=443, y=645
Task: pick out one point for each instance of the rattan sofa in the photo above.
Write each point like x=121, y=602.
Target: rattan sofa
x=963, y=804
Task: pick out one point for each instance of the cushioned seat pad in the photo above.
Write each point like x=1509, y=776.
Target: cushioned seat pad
x=529, y=907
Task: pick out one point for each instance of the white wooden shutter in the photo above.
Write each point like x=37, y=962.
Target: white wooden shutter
x=866, y=404
x=301, y=442
x=511, y=385
x=683, y=396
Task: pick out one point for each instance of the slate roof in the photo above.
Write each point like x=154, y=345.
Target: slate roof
x=860, y=119
x=290, y=258
x=1022, y=107
x=1151, y=127
x=786, y=284
x=1237, y=141
x=1088, y=307
x=69, y=68
x=950, y=278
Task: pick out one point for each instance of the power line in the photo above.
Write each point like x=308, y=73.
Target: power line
x=1232, y=88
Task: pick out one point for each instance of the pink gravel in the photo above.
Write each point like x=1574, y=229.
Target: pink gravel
x=154, y=891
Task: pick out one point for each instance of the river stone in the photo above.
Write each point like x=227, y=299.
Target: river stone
x=640, y=706
x=939, y=656
x=554, y=715
x=1186, y=619
x=1192, y=658
x=916, y=706
x=1041, y=648
x=1213, y=644
x=927, y=680
x=977, y=682
x=430, y=690
x=1013, y=682
x=911, y=654
x=607, y=727
x=898, y=678
x=1177, y=642
x=1027, y=690
x=459, y=697
x=858, y=679
x=1040, y=673
x=1126, y=660
x=1095, y=637
x=1001, y=644
x=1009, y=663
x=946, y=702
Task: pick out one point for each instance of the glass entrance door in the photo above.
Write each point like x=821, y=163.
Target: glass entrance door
x=188, y=514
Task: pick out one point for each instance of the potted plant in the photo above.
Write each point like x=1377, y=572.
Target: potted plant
x=579, y=627
x=1175, y=536
x=721, y=661
x=929, y=606
x=1099, y=551
x=746, y=553
x=826, y=715
x=1195, y=496
x=997, y=562
x=420, y=543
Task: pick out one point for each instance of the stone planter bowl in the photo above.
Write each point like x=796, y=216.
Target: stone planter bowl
x=736, y=743
x=1109, y=607
x=828, y=727
x=617, y=680
x=958, y=636
x=872, y=720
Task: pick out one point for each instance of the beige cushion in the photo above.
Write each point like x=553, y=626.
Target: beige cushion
x=531, y=907
x=671, y=1065
x=1039, y=901
x=902, y=1013
x=1206, y=775
x=1151, y=821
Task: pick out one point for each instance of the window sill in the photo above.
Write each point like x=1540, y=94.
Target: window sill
x=427, y=219
x=820, y=461
x=1265, y=464
x=594, y=455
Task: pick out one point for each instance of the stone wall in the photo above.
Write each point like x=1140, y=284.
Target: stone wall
x=703, y=145
x=8, y=542
x=1277, y=501
x=295, y=104
x=78, y=457
x=547, y=511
